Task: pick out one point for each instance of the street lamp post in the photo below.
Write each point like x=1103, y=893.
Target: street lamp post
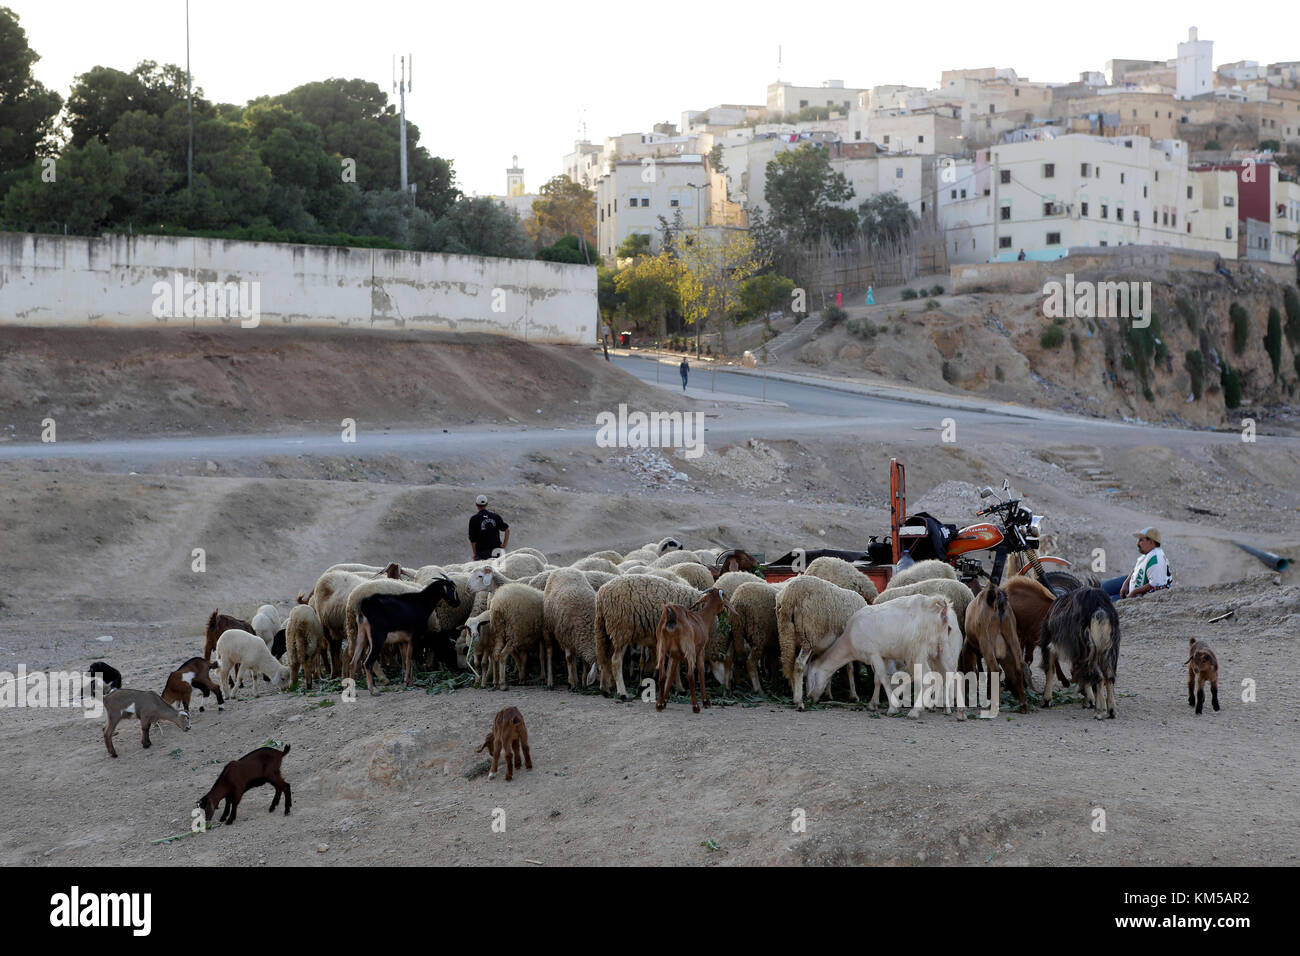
x=697, y=239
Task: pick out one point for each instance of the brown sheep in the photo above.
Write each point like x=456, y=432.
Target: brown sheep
x=508, y=735
x=218, y=624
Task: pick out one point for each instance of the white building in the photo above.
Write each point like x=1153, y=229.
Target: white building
x=631, y=198
x=785, y=98
x=584, y=165
x=1044, y=196
x=1195, y=67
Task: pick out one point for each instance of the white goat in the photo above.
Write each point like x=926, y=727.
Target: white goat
x=920, y=630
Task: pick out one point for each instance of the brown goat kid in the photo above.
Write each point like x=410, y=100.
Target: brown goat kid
x=182, y=681
x=144, y=706
x=1202, y=669
x=509, y=735
x=991, y=630
x=251, y=770
x=218, y=624
x=683, y=635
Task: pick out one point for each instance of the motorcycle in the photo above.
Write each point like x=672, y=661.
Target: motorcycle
x=1016, y=532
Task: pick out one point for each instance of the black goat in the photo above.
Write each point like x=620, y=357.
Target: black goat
x=1082, y=627
x=111, y=676
x=279, y=643
x=400, y=618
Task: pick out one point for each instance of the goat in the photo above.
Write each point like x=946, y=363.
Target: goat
x=1083, y=628
x=142, y=705
x=991, y=630
x=683, y=635
x=734, y=560
x=402, y=618
x=508, y=735
x=111, y=677
x=181, y=683
x=1202, y=668
x=920, y=629
x=251, y=770
x=280, y=643
x=218, y=624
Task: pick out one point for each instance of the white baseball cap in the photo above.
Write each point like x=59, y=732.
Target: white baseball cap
x=481, y=500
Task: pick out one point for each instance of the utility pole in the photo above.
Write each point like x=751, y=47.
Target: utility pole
x=189, y=99
x=401, y=85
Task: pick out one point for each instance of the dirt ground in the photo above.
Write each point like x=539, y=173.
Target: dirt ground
x=89, y=552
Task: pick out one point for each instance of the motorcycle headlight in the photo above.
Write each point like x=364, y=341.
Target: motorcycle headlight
x=1034, y=522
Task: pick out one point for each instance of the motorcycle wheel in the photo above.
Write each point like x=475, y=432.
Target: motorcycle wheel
x=1061, y=582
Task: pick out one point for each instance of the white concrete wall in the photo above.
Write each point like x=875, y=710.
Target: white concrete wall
x=75, y=281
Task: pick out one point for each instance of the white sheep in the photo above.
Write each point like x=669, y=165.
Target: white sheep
x=266, y=622
x=569, y=619
x=486, y=578
x=474, y=645
x=922, y=571
x=842, y=573
x=592, y=563
x=810, y=614
x=956, y=593
x=519, y=564
x=919, y=630
x=671, y=558
x=611, y=556
x=627, y=615
x=516, y=619
x=665, y=545
x=754, y=634
x=598, y=578
x=329, y=599
x=250, y=653
x=305, y=640
x=732, y=580
x=696, y=575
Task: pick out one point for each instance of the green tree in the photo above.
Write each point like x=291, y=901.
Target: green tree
x=90, y=180
x=803, y=197
x=1273, y=339
x=564, y=208
x=711, y=269
x=763, y=294
x=571, y=249
x=649, y=286
x=636, y=244
x=27, y=109
x=885, y=216
x=477, y=227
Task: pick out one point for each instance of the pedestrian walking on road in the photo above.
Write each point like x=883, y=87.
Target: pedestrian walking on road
x=871, y=296
x=685, y=369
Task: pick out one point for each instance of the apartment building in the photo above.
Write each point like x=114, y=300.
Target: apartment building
x=585, y=164
x=927, y=132
x=783, y=98
x=635, y=193
x=1044, y=196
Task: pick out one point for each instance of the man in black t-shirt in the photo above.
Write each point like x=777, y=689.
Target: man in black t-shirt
x=485, y=529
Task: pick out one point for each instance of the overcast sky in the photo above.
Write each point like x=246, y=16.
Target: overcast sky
x=492, y=80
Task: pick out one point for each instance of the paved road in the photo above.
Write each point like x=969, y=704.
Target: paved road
x=812, y=408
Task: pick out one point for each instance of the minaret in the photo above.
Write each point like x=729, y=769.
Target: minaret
x=514, y=178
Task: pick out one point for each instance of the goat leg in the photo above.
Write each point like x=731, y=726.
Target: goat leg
x=144, y=733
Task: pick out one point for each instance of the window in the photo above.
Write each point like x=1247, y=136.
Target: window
x=1049, y=170
x=1189, y=226
x=1004, y=242
x=802, y=104
x=1121, y=179
x=857, y=134
x=1017, y=91
x=1157, y=177
x=1005, y=213
x=602, y=215
x=1047, y=208
x=992, y=108
x=898, y=173
x=1083, y=209
x=963, y=194
x=1104, y=211
x=886, y=138
x=922, y=205
x=631, y=201
x=1230, y=200
x=1097, y=173
x=1155, y=217
x=1144, y=189
x=1119, y=213
x=1227, y=232
x=920, y=139
x=954, y=194
x=1085, y=170
x=1189, y=192
x=1053, y=238
x=1165, y=217
x=674, y=202
x=1135, y=114
x=1004, y=176
x=1103, y=243
x=1173, y=220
